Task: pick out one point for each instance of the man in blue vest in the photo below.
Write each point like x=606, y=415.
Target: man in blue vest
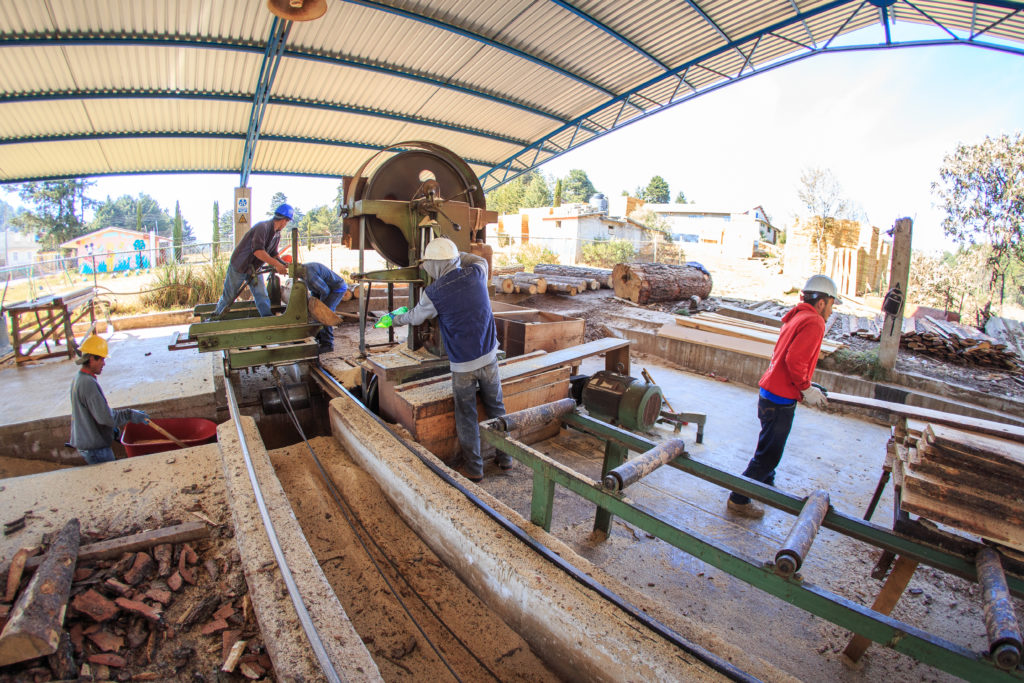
x=457, y=296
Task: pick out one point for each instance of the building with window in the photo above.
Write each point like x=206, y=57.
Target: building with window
x=114, y=249
x=740, y=233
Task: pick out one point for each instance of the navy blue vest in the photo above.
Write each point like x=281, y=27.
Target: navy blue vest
x=464, y=312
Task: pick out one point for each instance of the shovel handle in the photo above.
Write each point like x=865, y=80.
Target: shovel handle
x=172, y=437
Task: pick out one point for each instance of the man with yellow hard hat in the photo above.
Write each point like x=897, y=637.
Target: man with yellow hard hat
x=93, y=423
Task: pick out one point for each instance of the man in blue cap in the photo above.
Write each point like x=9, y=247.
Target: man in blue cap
x=257, y=247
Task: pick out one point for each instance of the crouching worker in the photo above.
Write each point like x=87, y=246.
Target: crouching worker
x=458, y=298
x=94, y=425
x=329, y=288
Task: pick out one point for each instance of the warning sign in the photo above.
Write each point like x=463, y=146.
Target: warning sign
x=242, y=220
x=243, y=205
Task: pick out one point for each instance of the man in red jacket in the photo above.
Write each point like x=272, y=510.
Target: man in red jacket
x=787, y=381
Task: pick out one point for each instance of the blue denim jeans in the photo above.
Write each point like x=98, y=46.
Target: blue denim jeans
x=94, y=456
x=467, y=424
x=233, y=281
x=776, y=421
x=325, y=337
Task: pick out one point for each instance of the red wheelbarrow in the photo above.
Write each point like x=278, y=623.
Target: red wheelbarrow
x=143, y=439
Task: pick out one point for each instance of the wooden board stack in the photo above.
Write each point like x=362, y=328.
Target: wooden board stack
x=965, y=480
x=725, y=332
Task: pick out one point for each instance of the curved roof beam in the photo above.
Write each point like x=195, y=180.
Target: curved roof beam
x=268, y=70
x=412, y=16
x=514, y=166
x=105, y=39
x=210, y=135
x=610, y=31
x=86, y=95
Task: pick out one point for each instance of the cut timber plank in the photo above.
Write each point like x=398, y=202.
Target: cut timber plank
x=747, y=314
x=747, y=347
x=967, y=519
x=974, y=424
x=115, y=547
x=948, y=467
x=944, y=491
x=979, y=446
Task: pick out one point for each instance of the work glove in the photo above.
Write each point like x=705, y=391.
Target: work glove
x=138, y=417
x=814, y=396
x=388, y=319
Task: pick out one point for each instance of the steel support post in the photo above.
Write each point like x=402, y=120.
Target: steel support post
x=614, y=455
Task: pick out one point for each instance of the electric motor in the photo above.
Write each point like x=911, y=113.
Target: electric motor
x=623, y=400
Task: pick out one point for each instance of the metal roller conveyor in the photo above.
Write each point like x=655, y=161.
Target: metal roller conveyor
x=536, y=416
x=794, y=550
x=1000, y=622
x=639, y=467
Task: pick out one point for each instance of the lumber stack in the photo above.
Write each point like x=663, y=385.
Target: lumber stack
x=602, y=276
x=966, y=480
x=645, y=283
x=724, y=332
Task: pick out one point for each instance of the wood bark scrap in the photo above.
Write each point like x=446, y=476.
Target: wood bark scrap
x=644, y=283
x=15, y=572
x=35, y=624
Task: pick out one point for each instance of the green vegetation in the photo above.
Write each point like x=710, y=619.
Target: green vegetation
x=529, y=255
x=177, y=285
x=606, y=253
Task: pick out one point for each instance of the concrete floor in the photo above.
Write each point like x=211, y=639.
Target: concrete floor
x=840, y=454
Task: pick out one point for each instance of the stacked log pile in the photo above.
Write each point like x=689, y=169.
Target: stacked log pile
x=966, y=480
x=532, y=283
x=142, y=607
x=947, y=340
x=603, y=276
x=645, y=283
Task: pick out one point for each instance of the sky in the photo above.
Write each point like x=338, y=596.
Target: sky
x=881, y=121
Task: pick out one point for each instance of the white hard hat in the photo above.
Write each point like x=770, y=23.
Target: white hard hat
x=823, y=284
x=440, y=249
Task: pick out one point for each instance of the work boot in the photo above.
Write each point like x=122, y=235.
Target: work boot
x=475, y=478
x=503, y=460
x=751, y=510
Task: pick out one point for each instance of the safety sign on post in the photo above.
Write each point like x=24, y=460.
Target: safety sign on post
x=243, y=200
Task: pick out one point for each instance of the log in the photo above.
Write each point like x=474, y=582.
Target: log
x=504, y=284
x=561, y=288
x=507, y=270
x=581, y=284
x=602, y=275
x=525, y=289
x=523, y=279
x=645, y=283
x=34, y=627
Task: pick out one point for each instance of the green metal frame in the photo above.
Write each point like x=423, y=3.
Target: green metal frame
x=880, y=628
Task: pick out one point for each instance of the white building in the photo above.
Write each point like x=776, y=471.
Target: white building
x=741, y=233
x=565, y=229
x=17, y=249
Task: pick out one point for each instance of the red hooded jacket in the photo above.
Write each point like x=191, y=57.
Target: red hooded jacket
x=796, y=353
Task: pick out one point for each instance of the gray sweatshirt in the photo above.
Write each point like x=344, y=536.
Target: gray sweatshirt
x=92, y=421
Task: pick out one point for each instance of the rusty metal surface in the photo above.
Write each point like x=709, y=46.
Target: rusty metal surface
x=636, y=469
x=1000, y=621
x=798, y=543
x=538, y=415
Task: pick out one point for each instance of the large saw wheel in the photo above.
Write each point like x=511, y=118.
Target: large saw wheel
x=403, y=178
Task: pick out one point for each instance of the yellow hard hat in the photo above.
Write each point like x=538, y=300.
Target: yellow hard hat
x=94, y=345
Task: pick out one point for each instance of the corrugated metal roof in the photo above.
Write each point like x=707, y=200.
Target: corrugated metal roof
x=92, y=87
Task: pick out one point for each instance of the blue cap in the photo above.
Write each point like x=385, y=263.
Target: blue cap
x=285, y=211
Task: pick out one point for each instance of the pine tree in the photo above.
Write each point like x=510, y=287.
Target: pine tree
x=216, y=229
x=177, y=231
